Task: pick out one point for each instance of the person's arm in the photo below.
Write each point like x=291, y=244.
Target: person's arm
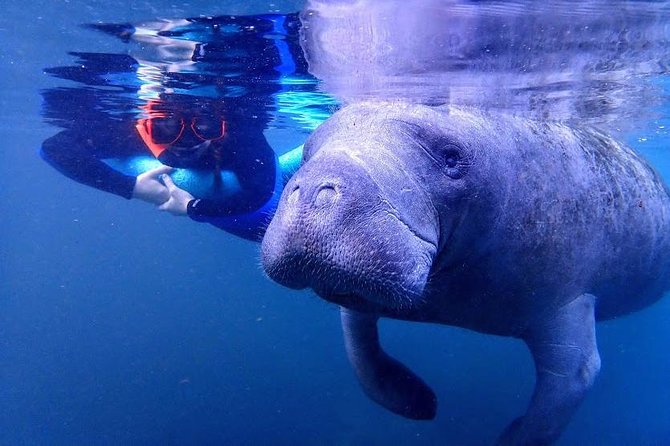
x=183, y=203
x=248, y=225
x=244, y=216
x=76, y=157
x=179, y=199
x=150, y=188
x=290, y=162
x=180, y=202
x=80, y=159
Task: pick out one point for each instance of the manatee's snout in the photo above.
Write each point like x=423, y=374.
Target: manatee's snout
x=342, y=229
x=308, y=210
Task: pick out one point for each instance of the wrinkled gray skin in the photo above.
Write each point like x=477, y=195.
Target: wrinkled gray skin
x=491, y=223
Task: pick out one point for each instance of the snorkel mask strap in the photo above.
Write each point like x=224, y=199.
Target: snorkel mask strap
x=143, y=127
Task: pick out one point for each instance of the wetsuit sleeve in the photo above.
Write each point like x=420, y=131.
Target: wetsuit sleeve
x=80, y=160
x=290, y=162
x=247, y=213
x=249, y=226
x=205, y=210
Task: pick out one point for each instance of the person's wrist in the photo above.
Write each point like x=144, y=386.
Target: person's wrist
x=190, y=206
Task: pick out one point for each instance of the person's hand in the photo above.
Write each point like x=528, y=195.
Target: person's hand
x=150, y=188
x=178, y=200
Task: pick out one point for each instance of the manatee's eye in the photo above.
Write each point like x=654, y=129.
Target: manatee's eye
x=451, y=158
x=452, y=161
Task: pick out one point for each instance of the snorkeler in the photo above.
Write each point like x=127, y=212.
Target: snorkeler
x=233, y=174
x=195, y=144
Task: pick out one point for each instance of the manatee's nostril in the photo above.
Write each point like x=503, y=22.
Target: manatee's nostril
x=325, y=195
x=294, y=196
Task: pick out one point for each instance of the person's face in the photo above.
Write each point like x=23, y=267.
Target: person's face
x=183, y=135
x=186, y=135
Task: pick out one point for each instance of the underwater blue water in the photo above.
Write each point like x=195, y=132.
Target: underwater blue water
x=123, y=325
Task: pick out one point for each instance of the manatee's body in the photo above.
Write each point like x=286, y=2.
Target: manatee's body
x=492, y=223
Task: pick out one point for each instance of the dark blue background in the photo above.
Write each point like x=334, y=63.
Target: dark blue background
x=122, y=325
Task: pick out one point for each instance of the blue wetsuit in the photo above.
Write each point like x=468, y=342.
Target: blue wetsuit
x=110, y=158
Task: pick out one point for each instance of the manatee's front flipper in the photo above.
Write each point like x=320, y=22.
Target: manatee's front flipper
x=384, y=379
x=566, y=362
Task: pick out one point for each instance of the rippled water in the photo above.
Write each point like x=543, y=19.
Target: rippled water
x=244, y=68
x=594, y=61
x=603, y=63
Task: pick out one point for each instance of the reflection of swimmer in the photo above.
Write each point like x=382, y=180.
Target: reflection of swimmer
x=201, y=121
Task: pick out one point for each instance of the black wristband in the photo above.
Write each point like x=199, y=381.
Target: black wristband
x=190, y=207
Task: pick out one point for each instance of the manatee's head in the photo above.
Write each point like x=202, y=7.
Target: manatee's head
x=381, y=192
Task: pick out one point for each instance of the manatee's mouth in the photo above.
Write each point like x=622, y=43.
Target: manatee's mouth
x=354, y=301
x=397, y=282
x=374, y=293
x=344, y=299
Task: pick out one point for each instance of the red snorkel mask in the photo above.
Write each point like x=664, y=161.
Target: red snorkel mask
x=162, y=129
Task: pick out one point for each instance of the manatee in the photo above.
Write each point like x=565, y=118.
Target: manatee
x=498, y=224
